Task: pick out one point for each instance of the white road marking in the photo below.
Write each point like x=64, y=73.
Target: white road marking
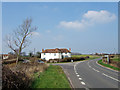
x=70, y=82
x=111, y=77
x=80, y=78
x=83, y=83
x=95, y=70
x=75, y=68
x=90, y=66
x=78, y=75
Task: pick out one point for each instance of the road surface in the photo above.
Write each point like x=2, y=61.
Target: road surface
x=89, y=75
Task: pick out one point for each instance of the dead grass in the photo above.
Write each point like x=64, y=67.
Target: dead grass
x=21, y=76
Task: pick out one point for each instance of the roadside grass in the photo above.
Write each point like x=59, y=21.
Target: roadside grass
x=53, y=77
x=109, y=66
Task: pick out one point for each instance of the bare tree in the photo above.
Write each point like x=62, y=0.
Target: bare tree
x=20, y=38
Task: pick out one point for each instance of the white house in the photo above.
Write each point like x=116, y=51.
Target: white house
x=55, y=53
x=5, y=56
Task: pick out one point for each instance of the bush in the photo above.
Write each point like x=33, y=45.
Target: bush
x=17, y=80
x=73, y=58
x=67, y=59
x=21, y=76
x=9, y=61
x=53, y=60
x=87, y=57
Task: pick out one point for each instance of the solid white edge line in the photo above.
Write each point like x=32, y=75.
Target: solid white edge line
x=110, y=77
x=95, y=70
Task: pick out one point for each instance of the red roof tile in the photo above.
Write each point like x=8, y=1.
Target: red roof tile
x=56, y=50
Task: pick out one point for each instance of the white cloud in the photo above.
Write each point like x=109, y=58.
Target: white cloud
x=99, y=17
x=90, y=18
x=71, y=24
x=35, y=34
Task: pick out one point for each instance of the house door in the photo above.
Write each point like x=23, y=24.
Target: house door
x=62, y=56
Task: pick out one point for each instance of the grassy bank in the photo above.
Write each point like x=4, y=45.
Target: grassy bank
x=109, y=66
x=53, y=77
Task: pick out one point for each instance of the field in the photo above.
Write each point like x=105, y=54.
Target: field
x=90, y=56
x=116, y=58
x=53, y=77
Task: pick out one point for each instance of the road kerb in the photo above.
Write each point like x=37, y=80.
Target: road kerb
x=67, y=75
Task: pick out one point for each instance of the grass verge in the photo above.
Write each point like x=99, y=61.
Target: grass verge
x=53, y=77
x=109, y=66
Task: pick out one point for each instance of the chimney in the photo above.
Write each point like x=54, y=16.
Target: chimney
x=70, y=49
x=42, y=50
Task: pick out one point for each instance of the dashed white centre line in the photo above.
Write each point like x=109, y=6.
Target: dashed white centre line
x=83, y=83
x=78, y=75
x=80, y=78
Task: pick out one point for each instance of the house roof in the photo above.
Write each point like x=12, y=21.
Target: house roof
x=5, y=54
x=57, y=50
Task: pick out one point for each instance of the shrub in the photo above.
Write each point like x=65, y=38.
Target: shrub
x=73, y=58
x=17, y=80
x=87, y=57
x=21, y=76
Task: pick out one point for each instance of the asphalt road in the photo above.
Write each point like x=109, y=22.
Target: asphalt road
x=90, y=75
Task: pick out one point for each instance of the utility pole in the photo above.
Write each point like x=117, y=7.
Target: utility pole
x=34, y=51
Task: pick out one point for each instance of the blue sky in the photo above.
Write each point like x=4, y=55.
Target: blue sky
x=84, y=27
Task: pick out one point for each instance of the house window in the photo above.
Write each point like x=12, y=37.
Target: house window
x=55, y=54
x=44, y=53
x=65, y=53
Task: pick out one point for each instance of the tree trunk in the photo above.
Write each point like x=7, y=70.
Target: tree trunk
x=17, y=60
